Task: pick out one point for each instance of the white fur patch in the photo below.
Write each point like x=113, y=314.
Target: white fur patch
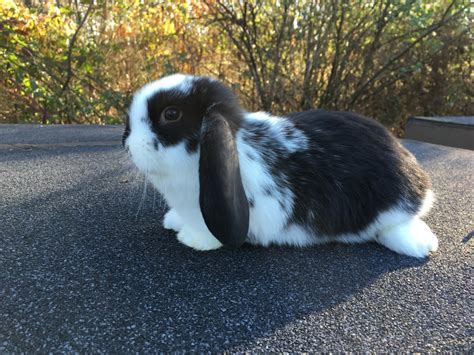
x=177, y=178
x=297, y=236
x=400, y=231
x=413, y=238
x=200, y=241
x=272, y=203
x=178, y=82
x=172, y=220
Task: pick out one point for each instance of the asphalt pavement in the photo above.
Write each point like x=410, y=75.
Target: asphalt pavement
x=85, y=265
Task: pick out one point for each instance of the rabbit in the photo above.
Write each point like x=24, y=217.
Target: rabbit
x=231, y=176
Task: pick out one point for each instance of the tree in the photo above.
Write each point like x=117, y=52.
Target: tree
x=80, y=61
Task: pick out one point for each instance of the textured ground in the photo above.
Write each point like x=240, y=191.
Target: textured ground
x=85, y=266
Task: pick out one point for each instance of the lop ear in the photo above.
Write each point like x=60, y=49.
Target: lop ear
x=224, y=205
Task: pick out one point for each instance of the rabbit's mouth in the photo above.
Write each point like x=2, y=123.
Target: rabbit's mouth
x=142, y=153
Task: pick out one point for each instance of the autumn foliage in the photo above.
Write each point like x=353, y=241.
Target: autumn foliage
x=80, y=61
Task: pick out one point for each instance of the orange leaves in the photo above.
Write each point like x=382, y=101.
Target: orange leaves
x=281, y=55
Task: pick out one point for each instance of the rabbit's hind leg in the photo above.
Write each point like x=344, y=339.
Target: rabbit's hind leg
x=412, y=237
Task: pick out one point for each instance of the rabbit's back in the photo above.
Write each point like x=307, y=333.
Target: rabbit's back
x=327, y=174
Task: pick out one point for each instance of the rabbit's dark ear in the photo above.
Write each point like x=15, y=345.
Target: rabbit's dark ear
x=224, y=205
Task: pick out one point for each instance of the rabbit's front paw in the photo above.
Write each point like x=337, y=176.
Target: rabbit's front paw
x=172, y=221
x=198, y=240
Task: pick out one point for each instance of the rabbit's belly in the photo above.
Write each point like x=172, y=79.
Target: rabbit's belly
x=292, y=235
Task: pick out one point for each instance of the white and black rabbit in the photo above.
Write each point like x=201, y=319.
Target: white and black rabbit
x=230, y=176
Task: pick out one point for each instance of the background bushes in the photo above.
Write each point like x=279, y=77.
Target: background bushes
x=79, y=61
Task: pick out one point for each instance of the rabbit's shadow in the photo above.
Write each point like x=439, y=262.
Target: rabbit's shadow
x=228, y=299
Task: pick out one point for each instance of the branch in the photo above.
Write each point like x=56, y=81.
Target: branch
x=393, y=60
x=336, y=59
x=71, y=46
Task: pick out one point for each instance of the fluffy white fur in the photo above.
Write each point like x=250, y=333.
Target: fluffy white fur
x=412, y=237
x=175, y=175
x=174, y=172
x=172, y=221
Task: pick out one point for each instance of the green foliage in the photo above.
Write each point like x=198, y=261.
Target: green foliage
x=79, y=62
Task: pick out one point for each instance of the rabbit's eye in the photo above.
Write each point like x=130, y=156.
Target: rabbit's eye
x=171, y=114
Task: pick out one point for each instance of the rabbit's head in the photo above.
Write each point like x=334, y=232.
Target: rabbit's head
x=180, y=119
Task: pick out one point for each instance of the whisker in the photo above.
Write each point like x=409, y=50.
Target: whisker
x=123, y=159
x=162, y=201
x=143, y=196
x=126, y=167
x=120, y=151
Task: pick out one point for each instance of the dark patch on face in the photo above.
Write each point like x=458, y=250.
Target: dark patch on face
x=174, y=132
x=204, y=96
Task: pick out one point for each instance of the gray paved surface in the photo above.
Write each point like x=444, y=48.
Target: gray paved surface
x=79, y=271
